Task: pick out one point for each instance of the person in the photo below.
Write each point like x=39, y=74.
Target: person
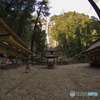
x=27, y=67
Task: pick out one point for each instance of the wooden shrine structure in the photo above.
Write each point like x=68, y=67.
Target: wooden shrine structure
x=11, y=44
x=51, y=56
x=94, y=52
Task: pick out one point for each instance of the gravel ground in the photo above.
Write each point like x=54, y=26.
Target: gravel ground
x=50, y=84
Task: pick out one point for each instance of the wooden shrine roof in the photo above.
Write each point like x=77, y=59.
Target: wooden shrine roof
x=5, y=29
x=95, y=45
x=9, y=41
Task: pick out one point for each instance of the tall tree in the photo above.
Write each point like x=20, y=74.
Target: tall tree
x=42, y=10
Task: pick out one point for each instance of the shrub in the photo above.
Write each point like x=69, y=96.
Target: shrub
x=80, y=56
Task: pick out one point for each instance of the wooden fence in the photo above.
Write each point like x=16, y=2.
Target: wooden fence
x=61, y=62
x=78, y=61
x=72, y=62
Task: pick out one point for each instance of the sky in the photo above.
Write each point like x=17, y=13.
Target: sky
x=80, y=6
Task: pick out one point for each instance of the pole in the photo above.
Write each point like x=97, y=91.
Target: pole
x=27, y=67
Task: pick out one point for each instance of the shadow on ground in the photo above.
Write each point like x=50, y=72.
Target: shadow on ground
x=45, y=67
x=92, y=67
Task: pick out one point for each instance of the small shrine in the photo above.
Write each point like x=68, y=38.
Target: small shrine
x=51, y=58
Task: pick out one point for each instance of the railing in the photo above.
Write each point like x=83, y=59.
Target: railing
x=72, y=62
x=61, y=62
x=78, y=61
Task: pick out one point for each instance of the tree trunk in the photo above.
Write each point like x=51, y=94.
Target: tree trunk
x=6, y=17
x=23, y=28
x=9, y=5
x=17, y=26
x=33, y=37
x=32, y=43
x=95, y=7
x=14, y=22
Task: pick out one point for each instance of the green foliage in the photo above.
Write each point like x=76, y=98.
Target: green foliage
x=42, y=11
x=80, y=56
x=18, y=16
x=74, y=33
x=39, y=40
x=17, y=13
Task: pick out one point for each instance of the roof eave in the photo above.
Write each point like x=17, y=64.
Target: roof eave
x=2, y=19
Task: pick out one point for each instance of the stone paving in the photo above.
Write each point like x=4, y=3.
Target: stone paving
x=49, y=84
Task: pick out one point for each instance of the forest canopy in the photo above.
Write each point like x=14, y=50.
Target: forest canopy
x=74, y=33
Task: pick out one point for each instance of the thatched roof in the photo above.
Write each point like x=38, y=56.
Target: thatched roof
x=95, y=45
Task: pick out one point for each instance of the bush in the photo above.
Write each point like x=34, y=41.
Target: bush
x=80, y=56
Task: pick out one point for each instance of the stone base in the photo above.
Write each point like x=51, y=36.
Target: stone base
x=50, y=65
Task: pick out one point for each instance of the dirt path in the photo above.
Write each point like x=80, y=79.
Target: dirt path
x=49, y=84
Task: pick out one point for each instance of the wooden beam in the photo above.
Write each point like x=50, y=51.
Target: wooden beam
x=12, y=42
x=7, y=30
x=5, y=50
x=2, y=29
x=4, y=47
x=95, y=53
